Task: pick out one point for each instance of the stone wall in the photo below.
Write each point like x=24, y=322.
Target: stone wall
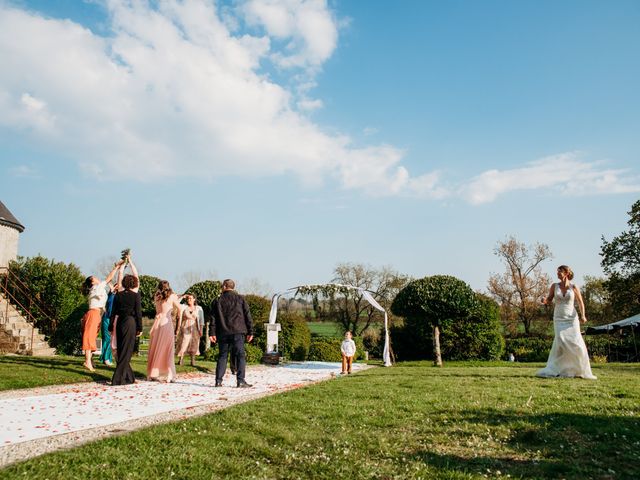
x=8, y=244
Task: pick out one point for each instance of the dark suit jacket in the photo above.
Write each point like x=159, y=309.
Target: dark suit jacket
x=230, y=315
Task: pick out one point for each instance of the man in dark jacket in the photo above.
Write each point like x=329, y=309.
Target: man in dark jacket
x=230, y=325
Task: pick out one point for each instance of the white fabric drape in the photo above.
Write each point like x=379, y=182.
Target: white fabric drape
x=386, y=355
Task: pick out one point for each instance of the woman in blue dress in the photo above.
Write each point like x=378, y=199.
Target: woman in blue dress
x=106, y=354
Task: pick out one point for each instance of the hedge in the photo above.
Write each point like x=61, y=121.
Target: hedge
x=611, y=348
x=253, y=353
x=324, y=349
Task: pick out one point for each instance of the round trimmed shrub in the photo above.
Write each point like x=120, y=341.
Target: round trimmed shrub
x=205, y=292
x=478, y=337
x=325, y=350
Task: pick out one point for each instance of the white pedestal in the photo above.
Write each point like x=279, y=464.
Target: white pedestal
x=272, y=336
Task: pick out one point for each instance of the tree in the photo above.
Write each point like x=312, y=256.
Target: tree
x=622, y=254
x=597, y=301
x=519, y=289
x=350, y=309
x=621, y=262
x=57, y=286
x=148, y=286
x=477, y=337
x=434, y=301
x=206, y=292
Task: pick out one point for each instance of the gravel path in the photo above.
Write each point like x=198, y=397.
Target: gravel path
x=41, y=420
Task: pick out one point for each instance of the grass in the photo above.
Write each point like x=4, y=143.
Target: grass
x=325, y=329
x=18, y=371
x=463, y=421
x=333, y=329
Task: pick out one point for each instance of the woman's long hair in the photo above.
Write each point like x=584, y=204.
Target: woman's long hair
x=86, y=285
x=163, y=292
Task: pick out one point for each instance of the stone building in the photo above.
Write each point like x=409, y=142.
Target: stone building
x=10, y=230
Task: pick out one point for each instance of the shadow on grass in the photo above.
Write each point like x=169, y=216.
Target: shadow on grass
x=554, y=445
x=61, y=364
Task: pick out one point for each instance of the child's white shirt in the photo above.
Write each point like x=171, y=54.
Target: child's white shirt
x=348, y=347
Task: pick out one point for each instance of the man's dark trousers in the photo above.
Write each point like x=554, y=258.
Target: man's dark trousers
x=235, y=344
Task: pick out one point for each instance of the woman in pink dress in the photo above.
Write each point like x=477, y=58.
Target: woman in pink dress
x=160, y=363
x=189, y=332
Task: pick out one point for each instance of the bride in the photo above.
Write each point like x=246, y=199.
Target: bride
x=568, y=356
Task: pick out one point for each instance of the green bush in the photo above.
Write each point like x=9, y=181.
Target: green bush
x=148, y=287
x=56, y=285
x=359, y=348
x=615, y=347
x=325, y=350
x=529, y=349
x=259, y=308
x=253, y=353
x=478, y=337
x=205, y=292
x=295, y=337
x=475, y=337
x=373, y=341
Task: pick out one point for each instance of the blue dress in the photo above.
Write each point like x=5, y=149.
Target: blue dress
x=107, y=354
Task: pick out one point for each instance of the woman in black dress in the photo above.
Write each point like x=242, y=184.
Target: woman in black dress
x=128, y=310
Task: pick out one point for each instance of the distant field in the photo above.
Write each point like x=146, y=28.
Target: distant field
x=325, y=329
x=333, y=329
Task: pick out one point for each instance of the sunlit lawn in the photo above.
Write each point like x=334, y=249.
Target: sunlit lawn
x=18, y=371
x=408, y=421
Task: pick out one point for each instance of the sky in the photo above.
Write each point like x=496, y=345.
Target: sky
x=269, y=140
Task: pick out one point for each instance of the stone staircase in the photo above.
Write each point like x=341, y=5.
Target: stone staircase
x=16, y=333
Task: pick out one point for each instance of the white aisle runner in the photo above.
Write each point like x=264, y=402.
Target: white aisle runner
x=84, y=407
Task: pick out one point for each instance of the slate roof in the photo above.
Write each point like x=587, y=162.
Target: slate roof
x=7, y=218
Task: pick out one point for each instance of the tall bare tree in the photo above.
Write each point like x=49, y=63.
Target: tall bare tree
x=519, y=288
x=354, y=312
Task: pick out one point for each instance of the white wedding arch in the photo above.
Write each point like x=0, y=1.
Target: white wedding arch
x=336, y=287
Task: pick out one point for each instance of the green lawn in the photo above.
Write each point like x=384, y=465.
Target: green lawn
x=325, y=329
x=18, y=371
x=463, y=421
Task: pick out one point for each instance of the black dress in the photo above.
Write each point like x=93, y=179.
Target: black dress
x=128, y=311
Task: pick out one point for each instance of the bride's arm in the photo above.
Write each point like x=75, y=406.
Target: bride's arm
x=583, y=313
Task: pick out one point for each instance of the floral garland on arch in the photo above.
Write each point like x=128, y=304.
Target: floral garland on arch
x=329, y=290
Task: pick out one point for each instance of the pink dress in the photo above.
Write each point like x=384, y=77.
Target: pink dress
x=161, y=362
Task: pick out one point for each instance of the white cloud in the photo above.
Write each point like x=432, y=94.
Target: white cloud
x=307, y=25
x=309, y=104
x=173, y=91
x=564, y=173
x=23, y=171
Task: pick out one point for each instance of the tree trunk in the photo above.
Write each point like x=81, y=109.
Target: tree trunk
x=437, y=356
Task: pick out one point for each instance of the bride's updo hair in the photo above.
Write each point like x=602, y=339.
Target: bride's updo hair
x=163, y=292
x=566, y=269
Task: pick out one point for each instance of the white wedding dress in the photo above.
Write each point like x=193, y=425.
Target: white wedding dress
x=568, y=356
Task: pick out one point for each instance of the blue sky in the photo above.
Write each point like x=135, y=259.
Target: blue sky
x=269, y=140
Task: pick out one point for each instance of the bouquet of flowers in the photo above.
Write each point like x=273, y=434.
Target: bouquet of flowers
x=125, y=254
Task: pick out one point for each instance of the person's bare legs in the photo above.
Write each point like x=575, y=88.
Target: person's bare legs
x=87, y=360
x=193, y=360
